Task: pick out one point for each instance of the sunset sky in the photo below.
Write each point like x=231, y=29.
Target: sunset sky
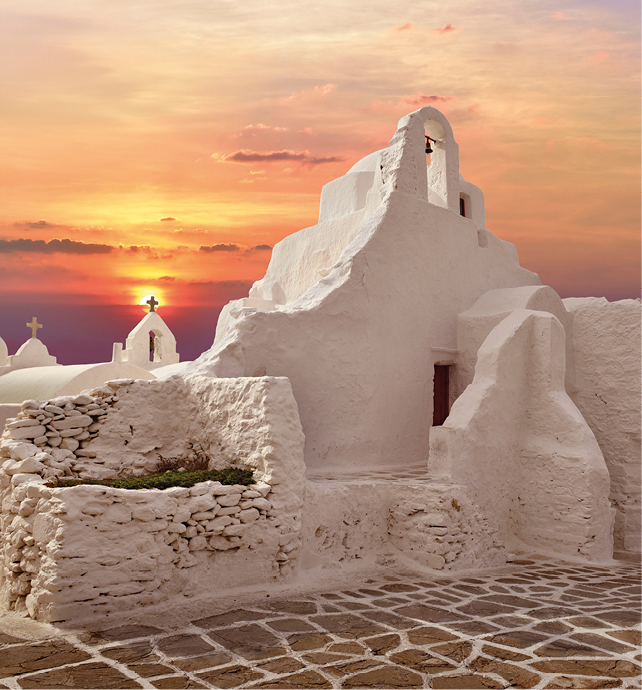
x=164, y=146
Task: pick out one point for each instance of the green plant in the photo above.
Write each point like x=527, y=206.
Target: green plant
x=166, y=480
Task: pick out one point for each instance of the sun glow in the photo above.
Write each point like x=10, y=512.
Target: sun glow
x=145, y=301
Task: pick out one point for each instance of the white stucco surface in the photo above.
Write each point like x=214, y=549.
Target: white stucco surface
x=8, y=410
x=518, y=442
x=431, y=524
x=170, y=369
x=43, y=382
x=165, y=416
x=606, y=344
x=474, y=325
x=350, y=309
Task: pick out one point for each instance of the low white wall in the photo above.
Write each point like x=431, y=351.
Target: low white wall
x=344, y=195
x=522, y=447
x=606, y=343
x=435, y=525
x=87, y=550
x=90, y=550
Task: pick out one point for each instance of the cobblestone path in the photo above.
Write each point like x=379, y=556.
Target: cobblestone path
x=535, y=624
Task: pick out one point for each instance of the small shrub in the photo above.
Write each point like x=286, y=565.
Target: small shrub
x=197, y=460
x=166, y=480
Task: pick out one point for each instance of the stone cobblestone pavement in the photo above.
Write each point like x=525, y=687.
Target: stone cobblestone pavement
x=534, y=624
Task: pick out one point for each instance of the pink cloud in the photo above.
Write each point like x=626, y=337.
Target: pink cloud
x=251, y=130
x=446, y=29
x=601, y=58
x=317, y=93
x=411, y=101
x=406, y=26
x=261, y=126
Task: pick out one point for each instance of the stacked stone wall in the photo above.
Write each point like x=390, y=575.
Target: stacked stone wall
x=442, y=528
x=434, y=525
x=89, y=550
x=72, y=552
x=68, y=423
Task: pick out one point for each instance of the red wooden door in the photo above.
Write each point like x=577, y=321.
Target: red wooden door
x=441, y=394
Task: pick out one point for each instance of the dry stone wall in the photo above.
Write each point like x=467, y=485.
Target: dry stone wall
x=67, y=422
x=88, y=550
x=443, y=528
x=432, y=524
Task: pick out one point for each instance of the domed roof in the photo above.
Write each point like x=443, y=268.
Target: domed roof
x=44, y=383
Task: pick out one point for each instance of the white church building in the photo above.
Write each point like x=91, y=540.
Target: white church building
x=402, y=388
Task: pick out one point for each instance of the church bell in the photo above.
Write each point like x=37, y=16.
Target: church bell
x=428, y=140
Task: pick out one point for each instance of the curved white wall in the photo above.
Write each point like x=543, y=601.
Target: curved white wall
x=517, y=440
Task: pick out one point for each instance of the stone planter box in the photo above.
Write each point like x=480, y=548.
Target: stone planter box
x=74, y=552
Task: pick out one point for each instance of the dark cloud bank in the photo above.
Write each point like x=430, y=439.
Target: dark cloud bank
x=52, y=247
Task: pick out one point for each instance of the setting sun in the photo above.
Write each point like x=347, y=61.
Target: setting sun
x=149, y=300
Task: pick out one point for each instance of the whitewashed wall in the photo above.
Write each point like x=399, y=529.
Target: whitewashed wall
x=433, y=525
x=606, y=343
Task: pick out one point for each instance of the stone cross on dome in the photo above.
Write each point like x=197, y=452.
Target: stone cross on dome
x=34, y=325
x=152, y=303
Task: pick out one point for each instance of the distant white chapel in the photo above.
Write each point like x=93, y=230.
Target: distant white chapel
x=32, y=373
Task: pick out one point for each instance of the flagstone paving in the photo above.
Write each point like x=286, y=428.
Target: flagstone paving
x=534, y=624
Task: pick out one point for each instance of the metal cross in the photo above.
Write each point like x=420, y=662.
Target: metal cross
x=34, y=325
x=152, y=303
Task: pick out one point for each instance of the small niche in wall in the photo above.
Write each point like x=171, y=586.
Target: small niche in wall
x=464, y=206
x=441, y=393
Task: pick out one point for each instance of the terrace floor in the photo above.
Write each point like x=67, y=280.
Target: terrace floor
x=535, y=623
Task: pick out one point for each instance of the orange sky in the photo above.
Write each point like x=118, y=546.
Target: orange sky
x=119, y=120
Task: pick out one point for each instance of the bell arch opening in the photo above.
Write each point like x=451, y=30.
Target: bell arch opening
x=154, y=346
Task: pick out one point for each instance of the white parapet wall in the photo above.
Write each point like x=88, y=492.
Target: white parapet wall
x=74, y=552
x=606, y=344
